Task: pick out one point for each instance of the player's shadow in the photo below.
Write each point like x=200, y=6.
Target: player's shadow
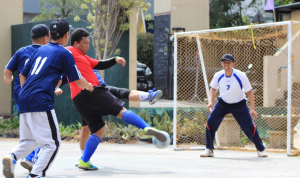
x=109, y=171
x=250, y=159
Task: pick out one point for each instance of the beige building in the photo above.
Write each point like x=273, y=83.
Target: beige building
x=11, y=13
x=189, y=14
x=171, y=16
x=287, y=12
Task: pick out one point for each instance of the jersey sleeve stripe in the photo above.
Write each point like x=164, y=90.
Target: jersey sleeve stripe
x=78, y=72
x=220, y=77
x=239, y=80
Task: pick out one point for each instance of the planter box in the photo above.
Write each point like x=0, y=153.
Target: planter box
x=229, y=132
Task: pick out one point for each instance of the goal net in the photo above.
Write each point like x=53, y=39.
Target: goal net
x=269, y=55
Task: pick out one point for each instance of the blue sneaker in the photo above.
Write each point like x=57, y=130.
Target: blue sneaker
x=34, y=177
x=154, y=96
x=9, y=164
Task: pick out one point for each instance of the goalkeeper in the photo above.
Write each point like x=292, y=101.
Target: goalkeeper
x=232, y=84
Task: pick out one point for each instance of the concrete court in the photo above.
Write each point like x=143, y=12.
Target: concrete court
x=144, y=160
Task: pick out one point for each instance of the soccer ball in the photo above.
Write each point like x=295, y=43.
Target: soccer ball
x=159, y=144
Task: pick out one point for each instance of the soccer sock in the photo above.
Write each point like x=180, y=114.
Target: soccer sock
x=134, y=119
x=90, y=147
x=82, y=152
x=143, y=95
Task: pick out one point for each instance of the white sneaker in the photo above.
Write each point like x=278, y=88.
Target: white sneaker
x=262, y=153
x=9, y=164
x=207, y=153
x=27, y=164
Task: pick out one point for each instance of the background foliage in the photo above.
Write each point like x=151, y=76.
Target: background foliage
x=145, y=49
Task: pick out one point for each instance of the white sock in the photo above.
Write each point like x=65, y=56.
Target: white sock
x=143, y=96
x=82, y=152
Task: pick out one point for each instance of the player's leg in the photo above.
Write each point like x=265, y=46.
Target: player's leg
x=213, y=122
x=27, y=144
x=27, y=162
x=134, y=119
x=135, y=95
x=243, y=117
x=46, y=123
x=92, y=144
x=101, y=102
x=130, y=117
x=113, y=105
x=84, y=136
x=31, y=159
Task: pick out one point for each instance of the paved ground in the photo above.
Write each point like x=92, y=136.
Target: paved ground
x=145, y=161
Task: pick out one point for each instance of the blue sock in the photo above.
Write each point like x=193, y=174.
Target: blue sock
x=90, y=147
x=33, y=156
x=134, y=119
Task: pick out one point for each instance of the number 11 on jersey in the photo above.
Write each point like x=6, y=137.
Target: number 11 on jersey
x=35, y=69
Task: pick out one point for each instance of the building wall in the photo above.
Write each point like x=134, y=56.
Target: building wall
x=27, y=17
x=190, y=14
x=295, y=15
x=161, y=30
x=11, y=13
x=276, y=65
x=286, y=17
x=162, y=6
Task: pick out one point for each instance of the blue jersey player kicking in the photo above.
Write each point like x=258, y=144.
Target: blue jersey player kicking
x=38, y=122
x=40, y=36
x=232, y=85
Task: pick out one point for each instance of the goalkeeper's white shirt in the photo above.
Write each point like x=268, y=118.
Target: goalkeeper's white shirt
x=232, y=89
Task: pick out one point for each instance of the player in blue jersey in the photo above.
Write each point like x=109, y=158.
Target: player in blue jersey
x=40, y=36
x=232, y=85
x=38, y=122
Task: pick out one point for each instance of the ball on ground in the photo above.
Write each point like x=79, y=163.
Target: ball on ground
x=159, y=144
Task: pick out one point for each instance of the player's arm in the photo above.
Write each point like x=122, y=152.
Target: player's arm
x=253, y=113
x=8, y=77
x=105, y=64
x=248, y=89
x=212, y=95
x=11, y=67
x=58, y=90
x=73, y=74
x=22, y=79
x=83, y=84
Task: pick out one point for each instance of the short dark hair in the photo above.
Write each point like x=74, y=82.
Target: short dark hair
x=78, y=34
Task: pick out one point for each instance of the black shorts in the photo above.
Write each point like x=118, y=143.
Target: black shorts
x=93, y=105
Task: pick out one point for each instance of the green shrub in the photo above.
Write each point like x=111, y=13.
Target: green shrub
x=145, y=49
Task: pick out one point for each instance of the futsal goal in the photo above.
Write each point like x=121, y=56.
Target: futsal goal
x=270, y=56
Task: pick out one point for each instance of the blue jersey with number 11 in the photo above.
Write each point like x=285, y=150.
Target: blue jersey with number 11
x=43, y=71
